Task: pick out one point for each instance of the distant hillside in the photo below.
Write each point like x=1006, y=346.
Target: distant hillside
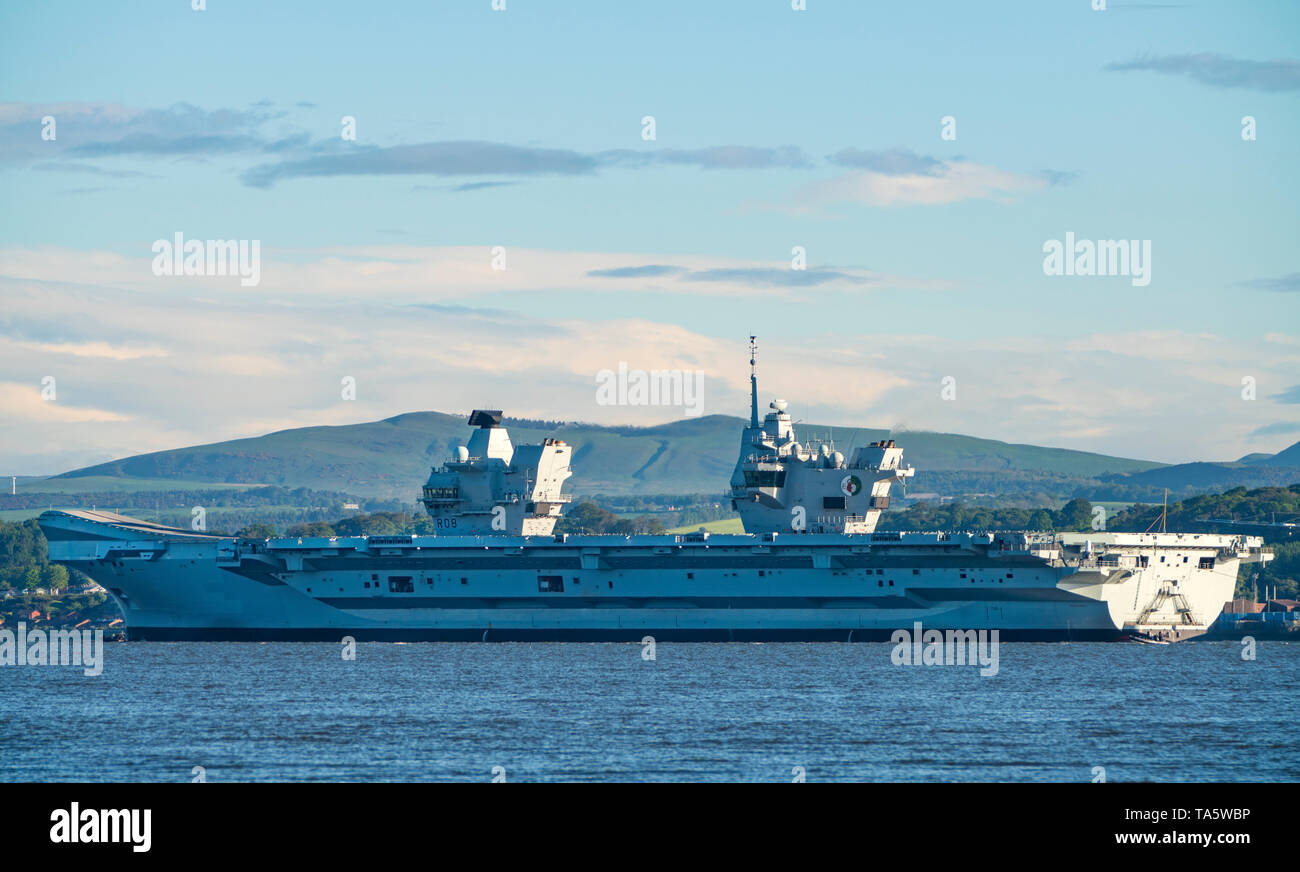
x=391, y=458
x=1286, y=457
x=1183, y=479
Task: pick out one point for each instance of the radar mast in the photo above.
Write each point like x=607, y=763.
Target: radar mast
x=753, y=382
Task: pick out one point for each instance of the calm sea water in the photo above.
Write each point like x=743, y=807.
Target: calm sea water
x=698, y=712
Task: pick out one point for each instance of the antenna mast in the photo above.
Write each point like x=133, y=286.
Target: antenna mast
x=753, y=383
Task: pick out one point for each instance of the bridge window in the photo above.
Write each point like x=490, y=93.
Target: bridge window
x=1206, y=563
x=764, y=478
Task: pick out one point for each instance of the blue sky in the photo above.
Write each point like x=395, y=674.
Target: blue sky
x=775, y=128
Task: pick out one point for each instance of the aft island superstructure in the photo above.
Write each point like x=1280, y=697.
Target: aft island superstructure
x=811, y=565
x=780, y=484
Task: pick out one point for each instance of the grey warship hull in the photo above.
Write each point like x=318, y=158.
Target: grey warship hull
x=810, y=566
x=177, y=585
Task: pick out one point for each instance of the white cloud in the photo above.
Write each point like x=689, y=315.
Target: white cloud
x=948, y=182
x=93, y=349
x=24, y=403
x=454, y=274
x=224, y=366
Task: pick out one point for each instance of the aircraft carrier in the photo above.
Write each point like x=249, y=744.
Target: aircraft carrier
x=809, y=567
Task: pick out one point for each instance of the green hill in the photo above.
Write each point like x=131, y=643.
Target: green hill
x=1286, y=457
x=1185, y=479
x=391, y=458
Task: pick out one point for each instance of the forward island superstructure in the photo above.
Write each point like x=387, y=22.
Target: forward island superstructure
x=490, y=486
x=811, y=565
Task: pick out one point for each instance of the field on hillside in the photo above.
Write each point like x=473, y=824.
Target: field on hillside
x=725, y=525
